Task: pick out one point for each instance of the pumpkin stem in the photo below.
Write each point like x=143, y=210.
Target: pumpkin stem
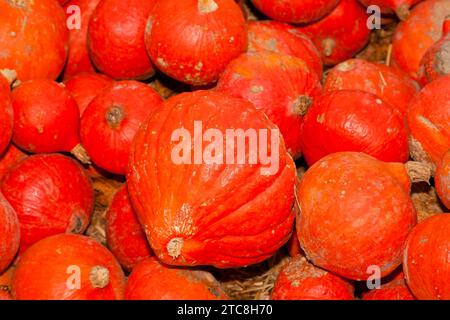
x=418, y=171
x=99, y=277
x=81, y=154
x=18, y=3
x=207, y=6
x=403, y=12
x=9, y=75
x=114, y=116
x=301, y=105
x=174, y=247
x=328, y=45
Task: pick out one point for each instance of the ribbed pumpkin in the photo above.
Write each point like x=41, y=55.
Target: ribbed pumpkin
x=351, y=120
x=300, y=280
x=426, y=260
x=355, y=212
x=282, y=86
x=391, y=85
x=51, y=194
x=428, y=122
x=151, y=280
x=78, y=60
x=68, y=267
x=435, y=62
x=111, y=120
x=195, y=50
x=84, y=87
x=442, y=179
x=9, y=233
x=197, y=209
x=414, y=36
x=283, y=38
x=341, y=34
x=33, y=38
x=124, y=234
x=6, y=114
x=298, y=11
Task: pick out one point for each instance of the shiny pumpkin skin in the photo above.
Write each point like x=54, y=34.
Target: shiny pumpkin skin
x=428, y=119
x=33, y=38
x=151, y=280
x=400, y=7
x=281, y=86
x=300, y=280
x=9, y=159
x=195, y=50
x=116, y=45
x=48, y=271
x=414, y=36
x=124, y=234
x=84, y=87
x=79, y=60
x=9, y=233
x=296, y=11
x=51, y=194
x=442, y=180
x=351, y=120
x=46, y=117
x=285, y=39
x=231, y=215
x=6, y=115
x=425, y=261
x=341, y=34
x=391, y=85
x=355, y=212
x=111, y=120
x=435, y=62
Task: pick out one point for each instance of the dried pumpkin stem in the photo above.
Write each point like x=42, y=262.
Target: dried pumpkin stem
x=207, y=6
x=302, y=104
x=99, y=277
x=418, y=171
x=114, y=116
x=403, y=11
x=81, y=154
x=174, y=247
x=328, y=46
x=9, y=74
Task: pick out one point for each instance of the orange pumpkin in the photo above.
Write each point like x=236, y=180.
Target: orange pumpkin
x=33, y=38
x=9, y=233
x=197, y=209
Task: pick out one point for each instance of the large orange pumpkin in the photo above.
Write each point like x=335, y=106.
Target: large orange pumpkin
x=33, y=38
x=197, y=209
x=9, y=233
x=6, y=114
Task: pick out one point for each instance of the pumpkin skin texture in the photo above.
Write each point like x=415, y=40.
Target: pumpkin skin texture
x=6, y=115
x=436, y=61
x=85, y=87
x=111, y=121
x=195, y=50
x=350, y=191
x=46, y=118
x=124, y=234
x=281, y=86
x=300, y=280
x=341, y=34
x=9, y=159
x=400, y=7
x=351, y=120
x=425, y=262
x=394, y=289
x=172, y=283
x=51, y=194
x=79, y=60
x=442, y=180
x=9, y=233
x=391, y=85
x=414, y=36
x=428, y=122
x=283, y=38
x=116, y=45
x=33, y=38
x=297, y=11
x=45, y=270
x=210, y=223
